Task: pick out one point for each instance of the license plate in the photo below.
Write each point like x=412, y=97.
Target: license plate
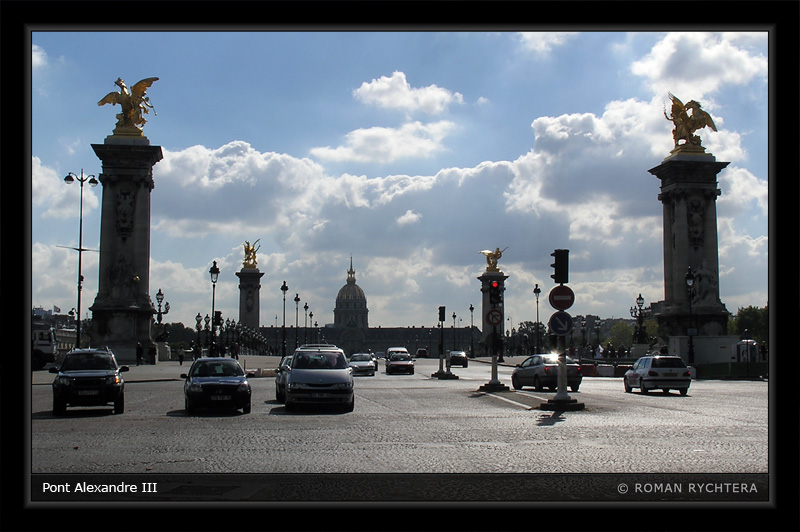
x=88, y=392
x=319, y=395
x=220, y=397
x=670, y=374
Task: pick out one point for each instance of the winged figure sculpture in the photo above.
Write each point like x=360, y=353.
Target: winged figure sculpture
x=133, y=102
x=491, y=258
x=686, y=124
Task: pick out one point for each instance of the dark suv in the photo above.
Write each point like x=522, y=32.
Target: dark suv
x=88, y=377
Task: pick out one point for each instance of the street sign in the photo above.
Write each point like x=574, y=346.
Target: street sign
x=494, y=317
x=561, y=297
x=560, y=323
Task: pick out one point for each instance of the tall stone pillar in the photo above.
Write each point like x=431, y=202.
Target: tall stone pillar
x=249, y=291
x=122, y=312
x=688, y=194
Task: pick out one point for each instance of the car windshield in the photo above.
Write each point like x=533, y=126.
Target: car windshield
x=668, y=363
x=219, y=368
x=400, y=356
x=75, y=361
x=319, y=361
x=360, y=358
x=554, y=360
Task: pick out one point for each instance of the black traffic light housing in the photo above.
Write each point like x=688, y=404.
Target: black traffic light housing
x=441, y=314
x=218, y=318
x=495, y=293
x=560, y=266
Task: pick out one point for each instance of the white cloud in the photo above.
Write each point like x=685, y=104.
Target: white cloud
x=38, y=57
x=59, y=199
x=386, y=145
x=396, y=93
x=692, y=65
x=542, y=42
x=410, y=217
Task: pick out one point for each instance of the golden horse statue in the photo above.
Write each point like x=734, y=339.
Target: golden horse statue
x=134, y=104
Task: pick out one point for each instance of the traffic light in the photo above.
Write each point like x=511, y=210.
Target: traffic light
x=495, y=293
x=441, y=314
x=217, y=318
x=560, y=266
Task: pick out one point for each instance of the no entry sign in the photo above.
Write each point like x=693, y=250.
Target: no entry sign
x=561, y=297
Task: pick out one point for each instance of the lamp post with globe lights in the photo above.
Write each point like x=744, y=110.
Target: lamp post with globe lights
x=69, y=179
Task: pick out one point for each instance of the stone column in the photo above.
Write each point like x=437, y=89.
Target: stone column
x=249, y=291
x=122, y=312
x=688, y=194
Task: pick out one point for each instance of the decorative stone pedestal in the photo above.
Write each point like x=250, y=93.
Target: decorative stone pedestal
x=562, y=405
x=122, y=312
x=249, y=300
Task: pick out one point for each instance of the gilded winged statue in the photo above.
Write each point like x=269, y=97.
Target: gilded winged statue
x=491, y=258
x=250, y=254
x=133, y=102
x=686, y=124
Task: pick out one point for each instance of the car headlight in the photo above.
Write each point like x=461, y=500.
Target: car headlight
x=112, y=379
x=296, y=385
x=194, y=387
x=342, y=385
x=64, y=381
x=244, y=387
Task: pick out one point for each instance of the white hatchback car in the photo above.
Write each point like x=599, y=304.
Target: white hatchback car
x=319, y=374
x=658, y=372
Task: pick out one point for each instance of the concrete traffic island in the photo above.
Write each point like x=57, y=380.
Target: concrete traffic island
x=562, y=405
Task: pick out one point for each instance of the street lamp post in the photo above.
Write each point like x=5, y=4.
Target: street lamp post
x=296, y=318
x=691, y=332
x=214, y=272
x=284, y=289
x=640, y=314
x=471, y=332
x=159, y=314
x=305, y=324
x=454, y=331
x=536, y=292
x=70, y=177
x=198, y=349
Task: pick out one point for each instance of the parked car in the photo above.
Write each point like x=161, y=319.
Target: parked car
x=658, y=372
x=399, y=362
x=362, y=364
x=421, y=353
x=88, y=377
x=216, y=382
x=541, y=371
x=281, y=372
x=458, y=358
x=319, y=375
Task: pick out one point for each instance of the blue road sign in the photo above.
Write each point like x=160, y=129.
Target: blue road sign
x=560, y=323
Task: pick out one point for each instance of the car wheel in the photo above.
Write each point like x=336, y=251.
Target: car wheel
x=515, y=383
x=642, y=386
x=246, y=409
x=575, y=388
x=628, y=388
x=119, y=404
x=537, y=384
x=189, y=406
x=59, y=407
x=684, y=391
x=278, y=395
x=289, y=406
x=349, y=407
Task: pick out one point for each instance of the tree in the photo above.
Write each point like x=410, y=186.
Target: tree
x=752, y=319
x=621, y=334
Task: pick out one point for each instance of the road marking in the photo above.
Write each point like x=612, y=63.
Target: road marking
x=527, y=407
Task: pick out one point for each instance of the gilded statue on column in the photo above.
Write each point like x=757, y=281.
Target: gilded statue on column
x=491, y=259
x=250, y=254
x=134, y=104
x=686, y=124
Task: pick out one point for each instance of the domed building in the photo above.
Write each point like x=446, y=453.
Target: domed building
x=351, y=304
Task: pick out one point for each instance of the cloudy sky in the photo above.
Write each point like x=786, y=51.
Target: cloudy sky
x=410, y=152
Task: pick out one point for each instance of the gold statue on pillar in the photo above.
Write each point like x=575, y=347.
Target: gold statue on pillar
x=491, y=259
x=133, y=103
x=250, y=254
x=686, y=124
